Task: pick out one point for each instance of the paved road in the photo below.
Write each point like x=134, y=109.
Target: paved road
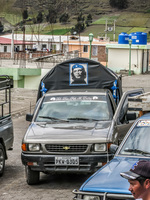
x=52, y=187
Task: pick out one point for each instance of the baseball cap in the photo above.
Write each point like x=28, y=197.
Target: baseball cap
x=77, y=66
x=139, y=169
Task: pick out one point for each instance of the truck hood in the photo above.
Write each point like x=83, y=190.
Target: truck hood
x=68, y=131
x=108, y=178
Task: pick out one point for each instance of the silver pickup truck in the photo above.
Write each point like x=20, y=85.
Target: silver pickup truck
x=6, y=125
x=72, y=129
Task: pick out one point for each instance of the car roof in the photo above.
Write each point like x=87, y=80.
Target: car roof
x=79, y=91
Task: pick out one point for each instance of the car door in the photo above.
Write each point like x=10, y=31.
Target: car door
x=124, y=118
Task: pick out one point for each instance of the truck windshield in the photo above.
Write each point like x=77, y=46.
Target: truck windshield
x=138, y=141
x=74, y=108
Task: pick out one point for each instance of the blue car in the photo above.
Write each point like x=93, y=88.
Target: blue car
x=106, y=183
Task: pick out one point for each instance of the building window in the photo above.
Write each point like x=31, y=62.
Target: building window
x=94, y=50
x=85, y=48
x=5, y=48
x=54, y=46
x=44, y=46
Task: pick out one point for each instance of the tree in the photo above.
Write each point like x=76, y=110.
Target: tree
x=88, y=20
x=80, y=26
x=121, y=4
x=64, y=18
x=25, y=14
x=80, y=18
x=1, y=27
x=52, y=16
x=39, y=17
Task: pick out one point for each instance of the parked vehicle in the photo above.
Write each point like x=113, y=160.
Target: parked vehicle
x=72, y=129
x=107, y=183
x=6, y=125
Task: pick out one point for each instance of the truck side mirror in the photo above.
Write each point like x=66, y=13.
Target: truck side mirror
x=29, y=117
x=131, y=116
x=113, y=148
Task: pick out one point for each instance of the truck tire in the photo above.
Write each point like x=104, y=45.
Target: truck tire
x=32, y=177
x=2, y=159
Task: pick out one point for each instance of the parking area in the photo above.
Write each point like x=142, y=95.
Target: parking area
x=52, y=187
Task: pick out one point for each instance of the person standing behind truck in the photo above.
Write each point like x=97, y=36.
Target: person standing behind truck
x=139, y=179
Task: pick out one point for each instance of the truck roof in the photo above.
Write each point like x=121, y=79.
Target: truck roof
x=79, y=91
x=92, y=75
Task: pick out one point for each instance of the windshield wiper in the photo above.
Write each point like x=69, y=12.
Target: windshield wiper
x=79, y=118
x=53, y=118
x=137, y=151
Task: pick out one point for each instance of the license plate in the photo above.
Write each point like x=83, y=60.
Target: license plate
x=62, y=160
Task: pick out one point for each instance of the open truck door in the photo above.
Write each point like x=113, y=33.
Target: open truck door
x=124, y=117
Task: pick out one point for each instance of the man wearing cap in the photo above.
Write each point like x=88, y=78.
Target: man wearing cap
x=78, y=74
x=139, y=178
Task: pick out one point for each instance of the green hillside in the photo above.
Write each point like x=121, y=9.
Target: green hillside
x=136, y=17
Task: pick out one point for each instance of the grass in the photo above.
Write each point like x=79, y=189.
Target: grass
x=102, y=20
x=133, y=19
x=58, y=32
x=125, y=22
x=137, y=29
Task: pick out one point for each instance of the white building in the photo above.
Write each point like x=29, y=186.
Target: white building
x=49, y=42
x=118, y=57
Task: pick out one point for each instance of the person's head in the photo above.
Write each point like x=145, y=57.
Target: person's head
x=139, y=178
x=78, y=72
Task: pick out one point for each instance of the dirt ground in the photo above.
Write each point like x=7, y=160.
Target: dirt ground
x=23, y=100
x=52, y=187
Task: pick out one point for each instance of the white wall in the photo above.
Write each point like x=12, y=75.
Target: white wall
x=118, y=59
x=32, y=82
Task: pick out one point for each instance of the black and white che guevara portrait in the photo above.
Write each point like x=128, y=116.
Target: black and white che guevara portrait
x=78, y=74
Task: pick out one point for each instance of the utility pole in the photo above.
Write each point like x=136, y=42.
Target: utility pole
x=106, y=30
x=12, y=44
x=130, y=43
x=114, y=29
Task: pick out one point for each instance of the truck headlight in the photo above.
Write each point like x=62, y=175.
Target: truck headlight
x=34, y=147
x=100, y=147
x=88, y=197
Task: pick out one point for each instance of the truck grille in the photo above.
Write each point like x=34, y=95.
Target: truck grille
x=65, y=148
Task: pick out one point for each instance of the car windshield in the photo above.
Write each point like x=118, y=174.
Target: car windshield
x=72, y=108
x=138, y=141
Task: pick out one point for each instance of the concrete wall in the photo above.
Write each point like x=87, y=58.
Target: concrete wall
x=32, y=82
x=118, y=58
x=28, y=76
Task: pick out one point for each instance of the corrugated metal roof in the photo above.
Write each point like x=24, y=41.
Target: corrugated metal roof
x=4, y=40
x=46, y=38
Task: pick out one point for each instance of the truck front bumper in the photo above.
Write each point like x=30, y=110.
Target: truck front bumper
x=79, y=195
x=46, y=163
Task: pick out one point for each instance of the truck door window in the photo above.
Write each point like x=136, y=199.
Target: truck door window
x=125, y=114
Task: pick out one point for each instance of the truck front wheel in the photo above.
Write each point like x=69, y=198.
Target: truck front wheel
x=32, y=177
x=2, y=159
